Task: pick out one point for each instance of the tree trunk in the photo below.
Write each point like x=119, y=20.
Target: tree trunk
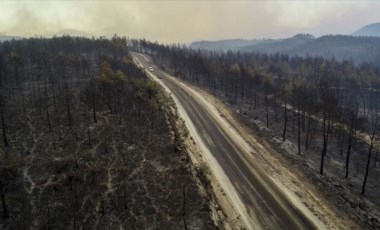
x=68, y=109
x=109, y=102
x=48, y=215
x=369, y=157
x=255, y=100
x=48, y=118
x=341, y=142
x=102, y=205
x=266, y=110
x=367, y=169
x=184, y=209
x=350, y=138
x=125, y=201
x=93, y=107
x=348, y=156
x=236, y=93
x=23, y=103
x=307, y=132
x=299, y=128
x=377, y=156
x=5, y=212
x=285, y=122
x=325, y=140
x=89, y=135
x=3, y=127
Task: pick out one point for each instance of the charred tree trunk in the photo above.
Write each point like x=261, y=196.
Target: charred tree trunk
x=3, y=126
x=326, y=132
x=350, y=138
x=68, y=109
x=125, y=200
x=89, y=135
x=369, y=158
x=307, y=132
x=93, y=107
x=377, y=156
x=255, y=100
x=299, y=127
x=48, y=118
x=348, y=156
x=102, y=205
x=341, y=142
x=184, y=209
x=285, y=121
x=5, y=212
x=48, y=215
x=266, y=109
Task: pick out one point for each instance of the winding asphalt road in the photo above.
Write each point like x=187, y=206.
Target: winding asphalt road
x=265, y=204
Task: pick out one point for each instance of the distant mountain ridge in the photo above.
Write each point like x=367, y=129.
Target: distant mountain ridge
x=341, y=47
x=73, y=33
x=369, y=30
x=224, y=45
x=8, y=37
x=237, y=44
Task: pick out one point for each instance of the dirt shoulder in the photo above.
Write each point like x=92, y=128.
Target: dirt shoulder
x=224, y=214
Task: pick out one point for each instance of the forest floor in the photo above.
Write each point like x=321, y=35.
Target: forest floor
x=334, y=201
x=98, y=175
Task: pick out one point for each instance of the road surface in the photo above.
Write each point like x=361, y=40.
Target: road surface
x=259, y=201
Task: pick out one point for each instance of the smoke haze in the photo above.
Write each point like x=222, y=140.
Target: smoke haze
x=186, y=21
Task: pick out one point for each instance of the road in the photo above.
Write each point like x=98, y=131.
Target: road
x=260, y=202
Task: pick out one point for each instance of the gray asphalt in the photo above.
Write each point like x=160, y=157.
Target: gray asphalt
x=271, y=208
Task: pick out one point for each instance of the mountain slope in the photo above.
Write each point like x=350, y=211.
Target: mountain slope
x=225, y=45
x=281, y=46
x=369, y=30
x=358, y=49
x=340, y=47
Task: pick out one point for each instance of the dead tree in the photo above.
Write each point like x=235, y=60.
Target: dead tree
x=352, y=132
x=325, y=133
x=184, y=208
x=3, y=125
x=48, y=214
x=285, y=121
x=329, y=103
x=377, y=156
x=5, y=212
x=369, y=153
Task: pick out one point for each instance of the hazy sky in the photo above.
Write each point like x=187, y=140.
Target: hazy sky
x=186, y=21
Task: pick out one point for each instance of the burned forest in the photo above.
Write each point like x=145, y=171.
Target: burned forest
x=88, y=142
x=322, y=115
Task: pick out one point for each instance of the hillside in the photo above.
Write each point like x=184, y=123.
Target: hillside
x=88, y=142
x=287, y=45
x=369, y=30
x=340, y=47
x=225, y=45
